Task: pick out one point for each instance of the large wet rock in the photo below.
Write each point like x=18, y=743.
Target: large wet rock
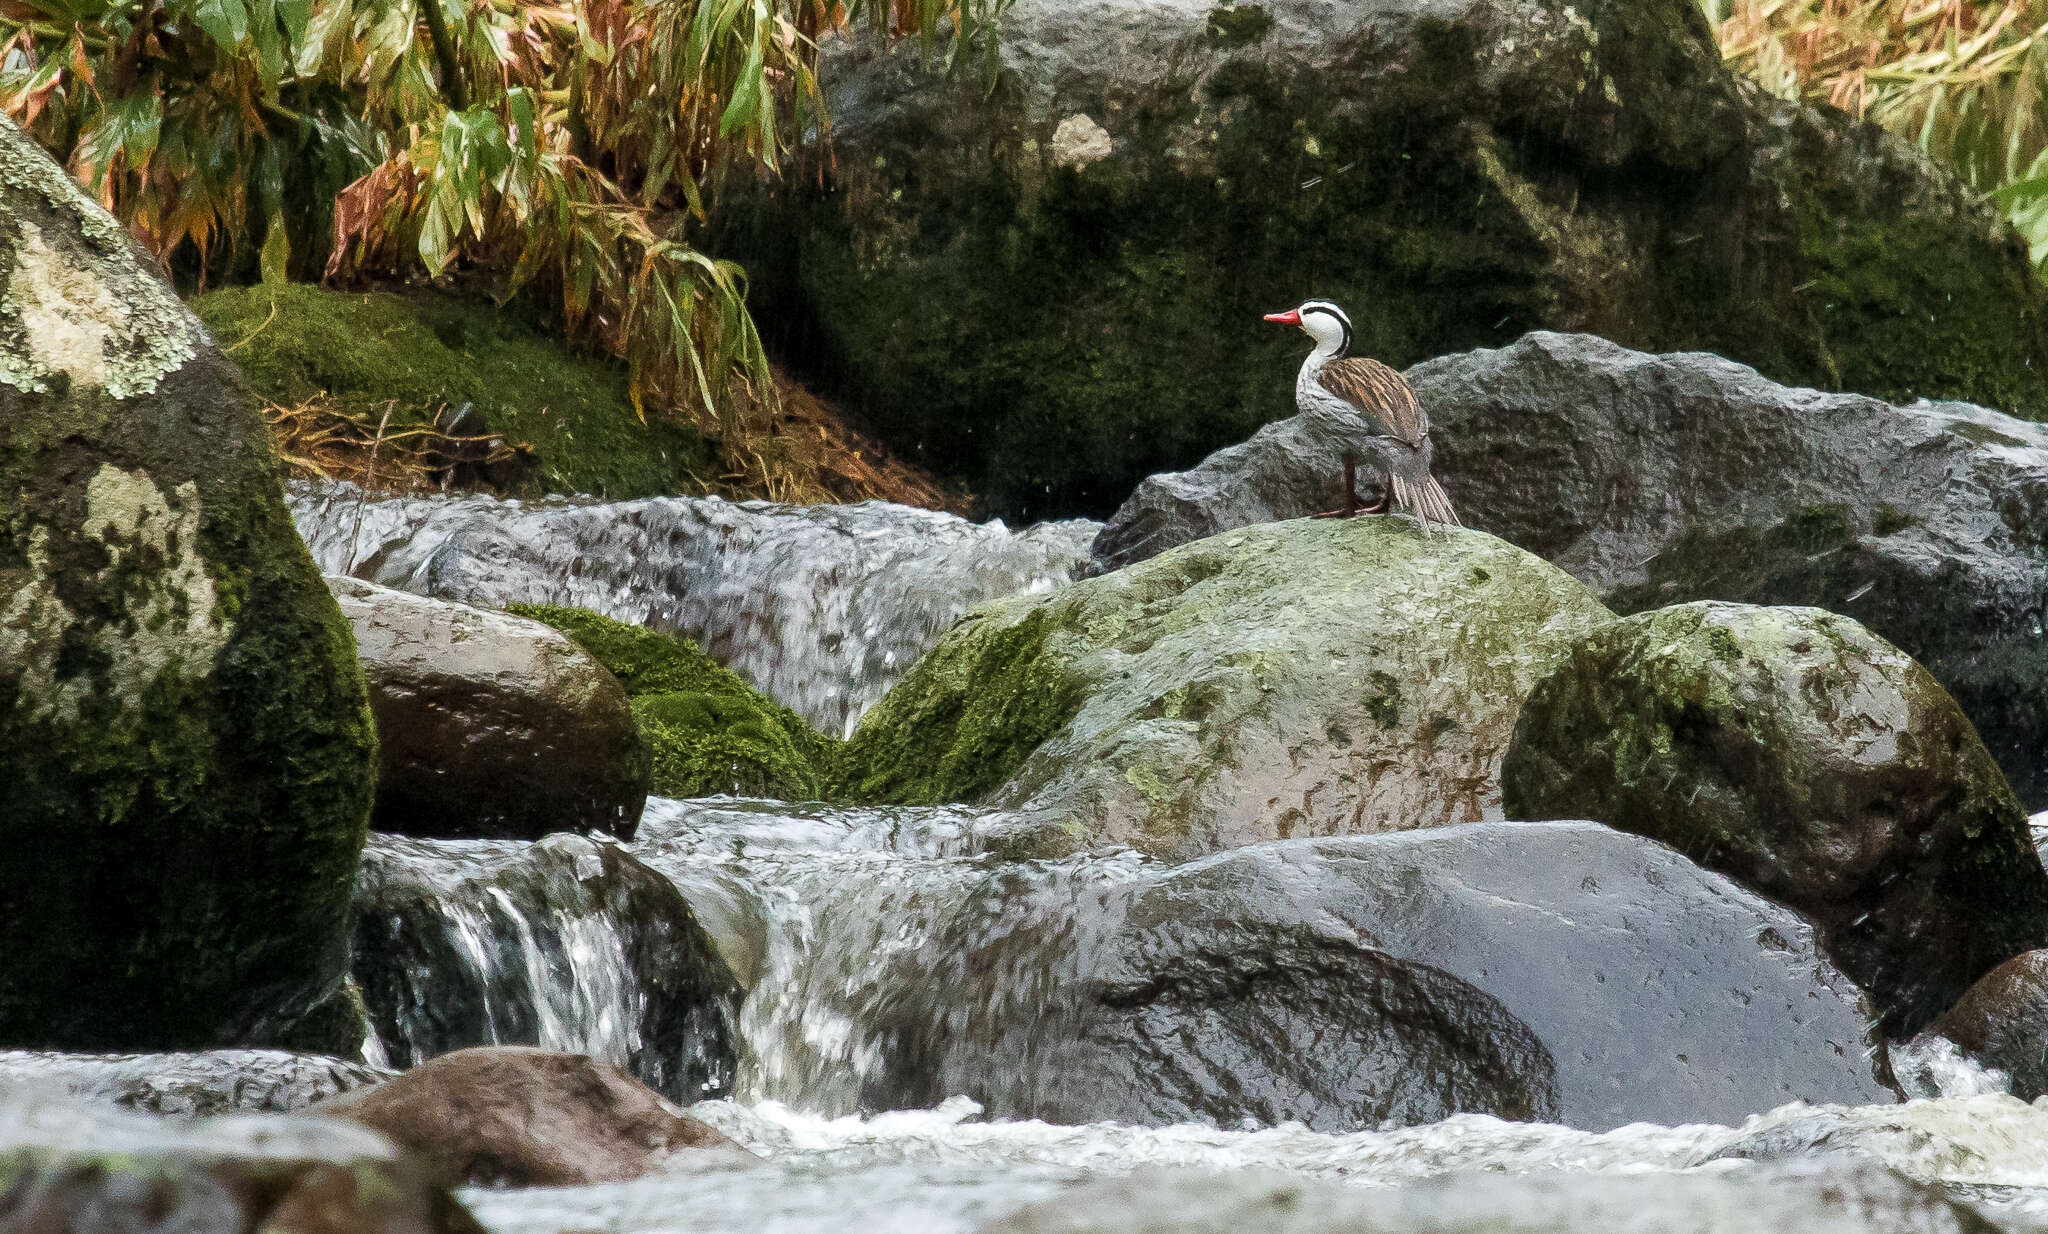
x=1562, y=972
x=1662, y=479
x=1860, y=1200
x=569, y=943
x=192, y=1085
x=2002, y=1022
x=1805, y=757
x=490, y=724
x=184, y=737
x=67, y=1168
x=1052, y=287
x=518, y=1117
x=1308, y=678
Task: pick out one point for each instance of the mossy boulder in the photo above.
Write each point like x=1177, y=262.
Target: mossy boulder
x=1297, y=679
x=420, y=355
x=185, y=738
x=490, y=725
x=1048, y=282
x=706, y=729
x=1805, y=757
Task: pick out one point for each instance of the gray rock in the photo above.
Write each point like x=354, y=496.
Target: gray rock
x=490, y=725
x=2002, y=1022
x=184, y=733
x=1563, y=972
x=1052, y=314
x=1794, y=751
x=192, y=1085
x=68, y=1168
x=1301, y=679
x=1662, y=479
x=569, y=943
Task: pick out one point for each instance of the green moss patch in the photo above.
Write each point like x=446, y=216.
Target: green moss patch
x=418, y=353
x=707, y=730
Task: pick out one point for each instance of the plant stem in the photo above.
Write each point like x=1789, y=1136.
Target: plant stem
x=452, y=83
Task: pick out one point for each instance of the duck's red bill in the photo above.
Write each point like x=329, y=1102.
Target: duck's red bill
x=1292, y=317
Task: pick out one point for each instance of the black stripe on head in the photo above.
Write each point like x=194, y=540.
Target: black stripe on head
x=1343, y=319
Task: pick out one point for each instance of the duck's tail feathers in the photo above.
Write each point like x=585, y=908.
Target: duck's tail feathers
x=1426, y=500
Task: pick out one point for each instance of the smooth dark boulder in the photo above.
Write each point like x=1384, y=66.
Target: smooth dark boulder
x=67, y=1168
x=1661, y=479
x=490, y=725
x=508, y=1116
x=569, y=943
x=185, y=740
x=1808, y=759
x=2002, y=1022
x=192, y=1085
x=1049, y=284
x=1563, y=972
x=1301, y=679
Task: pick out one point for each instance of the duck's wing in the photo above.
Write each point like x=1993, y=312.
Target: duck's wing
x=1377, y=392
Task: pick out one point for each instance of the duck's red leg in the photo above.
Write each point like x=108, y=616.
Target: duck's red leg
x=1352, y=505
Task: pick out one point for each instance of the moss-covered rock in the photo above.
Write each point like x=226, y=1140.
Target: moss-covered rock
x=1054, y=319
x=1295, y=679
x=1798, y=753
x=707, y=730
x=422, y=353
x=185, y=738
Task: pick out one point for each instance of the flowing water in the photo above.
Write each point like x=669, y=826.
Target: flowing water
x=822, y=607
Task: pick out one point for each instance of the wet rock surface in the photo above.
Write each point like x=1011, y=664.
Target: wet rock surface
x=1454, y=173
x=67, y=1168
x=184, y=735
x=1810, y=760
x=1563, y=972
x=488, y=724
x=192, y=1085
x=1308, y=678
x=1663, y=479
x=2002, y=1022
x=527, y=1118
x=569, y=943
x=1869, y=1200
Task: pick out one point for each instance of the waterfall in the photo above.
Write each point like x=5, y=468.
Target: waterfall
x=822, y=607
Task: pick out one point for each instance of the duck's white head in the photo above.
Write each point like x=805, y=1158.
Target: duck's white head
x=1320, y=320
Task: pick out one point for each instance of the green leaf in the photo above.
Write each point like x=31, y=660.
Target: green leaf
x=226, y=22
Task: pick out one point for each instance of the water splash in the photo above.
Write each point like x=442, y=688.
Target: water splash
x=822, y=607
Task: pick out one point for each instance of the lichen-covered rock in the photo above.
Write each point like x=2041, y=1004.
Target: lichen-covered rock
x=185, y=739
x=67, y=1168
x=2002, y=1022
x=489, y=724
x=706, y=730
x=1810, y=760
x=1663, y=479
x=511, y=1116
x=1050, y=283
x=1298, y=679
x=1550, y=972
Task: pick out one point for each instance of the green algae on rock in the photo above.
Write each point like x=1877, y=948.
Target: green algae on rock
x=185, y=737
x=706, y=729
x=1798, y=753
x=421, y=352
x=1053, y=329
x=1293, y=679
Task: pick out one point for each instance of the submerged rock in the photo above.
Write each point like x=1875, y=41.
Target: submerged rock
x=569, y=943
x=2002, y=1022
x=508, y=1116
x=1865, y=1200
x=490, y=725
x=192, y=1085
x=1663, y=479
x=67, y=1168
x=1308, y=678
x=185, y=739
x=1812, y=761
x=1049, y=282
x=1562, y=972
